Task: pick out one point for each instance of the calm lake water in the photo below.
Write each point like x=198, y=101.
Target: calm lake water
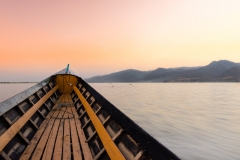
x=196, y=121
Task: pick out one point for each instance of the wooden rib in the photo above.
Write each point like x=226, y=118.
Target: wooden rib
x=4, y=155
x=14, y=129
x=99, y=154
x=89, y=138
x=41, y=114
x=23, y=137
x=19, y=133
x=42, y=143
x=117, y=135
x=84, y=112
x=87, y=123
x=23, y=112
x=28, y=151
x=51, y=142
x=139, y=155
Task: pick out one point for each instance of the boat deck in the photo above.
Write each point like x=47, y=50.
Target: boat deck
x=65, y=118
x=59, y=136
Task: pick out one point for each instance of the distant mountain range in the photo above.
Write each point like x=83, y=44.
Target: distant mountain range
x=216, y=71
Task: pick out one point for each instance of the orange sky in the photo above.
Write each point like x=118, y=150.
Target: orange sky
x=100, y=37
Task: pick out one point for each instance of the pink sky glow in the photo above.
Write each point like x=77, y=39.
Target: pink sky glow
x=39, y=38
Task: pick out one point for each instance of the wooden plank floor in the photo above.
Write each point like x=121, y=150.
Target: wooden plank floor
x=59, y=137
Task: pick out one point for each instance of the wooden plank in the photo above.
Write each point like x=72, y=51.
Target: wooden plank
x=73, y=109
x=30, y=148
x=57, y=154
x=76, y=116
x=85, y=148
x=66, y=137
x=28, y=151
x=69, y=110
x=66, y=140
x=74, y=134
x=54, y=107
x=41, y=144
x=84, y=145
x=14, y=129
x=77, y=154
x=58, y=148
x=99, y=154
x=111, y=148
x=53, y=135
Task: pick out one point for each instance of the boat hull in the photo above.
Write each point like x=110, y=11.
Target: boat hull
x=92, y=127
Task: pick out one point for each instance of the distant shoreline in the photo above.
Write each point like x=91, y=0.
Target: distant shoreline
x=18, y=82
x=172, y=82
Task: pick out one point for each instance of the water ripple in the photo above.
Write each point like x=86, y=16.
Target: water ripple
x=194, y=120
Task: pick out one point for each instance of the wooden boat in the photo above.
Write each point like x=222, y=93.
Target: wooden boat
x=63, y=117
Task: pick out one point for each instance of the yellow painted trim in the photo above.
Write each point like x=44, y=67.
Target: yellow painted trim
x=7, y=136
x=111, y=148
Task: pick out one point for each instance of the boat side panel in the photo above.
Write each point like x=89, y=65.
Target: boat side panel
x=127, y=146
x=131, y=139
x=107, y=142
x=15, y=100
x=16, y=145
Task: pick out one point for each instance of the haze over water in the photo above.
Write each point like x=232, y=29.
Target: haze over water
x=194, y=120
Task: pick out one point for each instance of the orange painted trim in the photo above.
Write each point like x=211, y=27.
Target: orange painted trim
x=111, y=148
x=15, y=128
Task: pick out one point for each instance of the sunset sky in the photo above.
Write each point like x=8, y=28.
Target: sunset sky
x=39, y=38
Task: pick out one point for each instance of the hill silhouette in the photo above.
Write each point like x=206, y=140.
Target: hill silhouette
x=215, y=71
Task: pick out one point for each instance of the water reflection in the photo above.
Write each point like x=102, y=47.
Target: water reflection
x=8, y=90
x=194, y=120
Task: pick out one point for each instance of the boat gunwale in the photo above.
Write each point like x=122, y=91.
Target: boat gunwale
x=148, y=143
x=11, y=102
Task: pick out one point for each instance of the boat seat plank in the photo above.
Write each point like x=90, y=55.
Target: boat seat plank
x=59, y=142
x=66, y=134
x=85, y=148
x=60, y=136
x=51, y=140
x=74, y=136
x=30, y=148
x=75, y=113
x=75, y=141
x=66, y=138
x=41, y=144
